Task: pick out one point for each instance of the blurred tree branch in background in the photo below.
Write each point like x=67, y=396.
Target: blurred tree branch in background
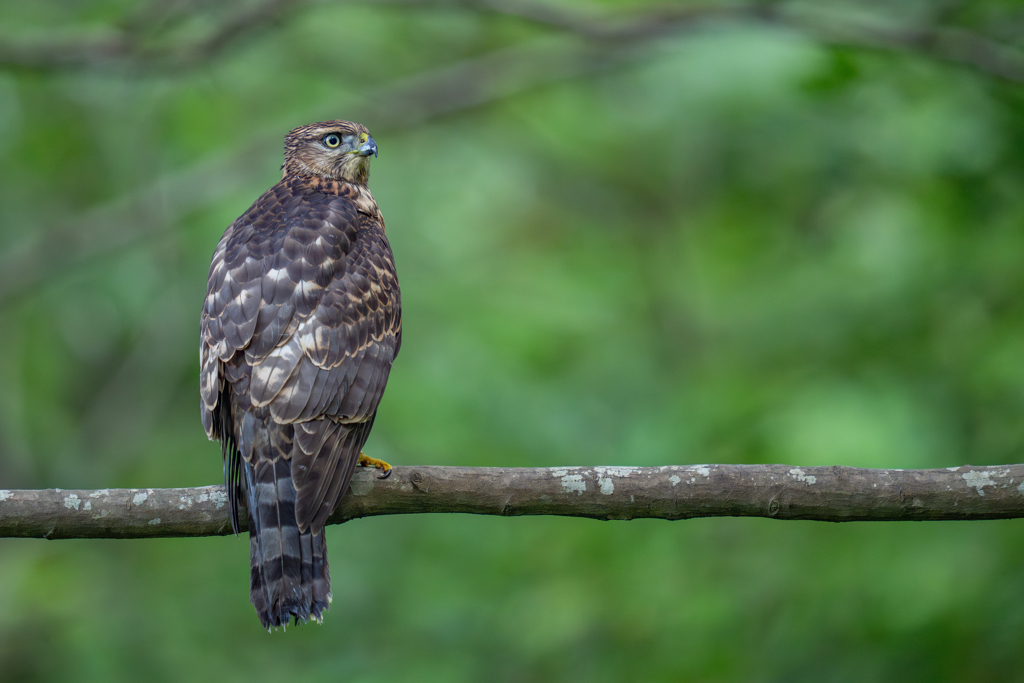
x=831, y=494
x=145, y=39
x=137, y=41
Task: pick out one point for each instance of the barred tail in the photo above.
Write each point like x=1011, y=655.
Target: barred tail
x=289, y=573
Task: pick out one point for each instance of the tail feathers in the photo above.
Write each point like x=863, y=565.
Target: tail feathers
x=289, y=576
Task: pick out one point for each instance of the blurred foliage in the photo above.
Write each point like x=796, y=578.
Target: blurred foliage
x=735, y=242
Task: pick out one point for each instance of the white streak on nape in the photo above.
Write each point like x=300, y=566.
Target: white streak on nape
x=5, y=494
x=140, y=498
x=674, y=479
x=573, y=483
x=978, y=480
x=72, y=501
x=799, y=475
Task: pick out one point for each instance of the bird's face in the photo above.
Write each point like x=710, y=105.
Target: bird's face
x=333, y=149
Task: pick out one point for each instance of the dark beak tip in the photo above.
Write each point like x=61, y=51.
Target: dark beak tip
x=369, y=147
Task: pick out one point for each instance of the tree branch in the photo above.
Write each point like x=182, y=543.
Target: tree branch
x=128, y=44
x=949, y=44
x=831, y=494
x=428, y=95
x=607, y=41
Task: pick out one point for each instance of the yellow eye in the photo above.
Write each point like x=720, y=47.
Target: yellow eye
x=332, y=140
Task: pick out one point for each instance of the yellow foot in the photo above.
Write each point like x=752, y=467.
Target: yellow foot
x=367, y=461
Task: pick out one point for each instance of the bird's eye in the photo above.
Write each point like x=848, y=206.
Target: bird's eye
x=332, y=140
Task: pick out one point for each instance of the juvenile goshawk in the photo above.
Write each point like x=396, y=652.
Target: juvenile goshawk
x=301, y=324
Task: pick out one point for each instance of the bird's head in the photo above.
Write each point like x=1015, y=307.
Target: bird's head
x=339, y=150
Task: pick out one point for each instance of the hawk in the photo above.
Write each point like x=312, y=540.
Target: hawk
x=301, y=323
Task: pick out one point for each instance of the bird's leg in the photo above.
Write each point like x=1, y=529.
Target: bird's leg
x=367, y=461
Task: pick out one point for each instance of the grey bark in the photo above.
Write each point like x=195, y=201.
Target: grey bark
x=832, y=494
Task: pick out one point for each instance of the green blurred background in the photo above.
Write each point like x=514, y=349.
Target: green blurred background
x=627, y=234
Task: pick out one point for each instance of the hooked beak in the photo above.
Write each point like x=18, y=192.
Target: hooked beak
x=367, y=148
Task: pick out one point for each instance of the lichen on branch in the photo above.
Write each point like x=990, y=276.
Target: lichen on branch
x=832, y=494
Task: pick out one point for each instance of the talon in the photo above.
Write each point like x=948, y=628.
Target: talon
x=367, y=461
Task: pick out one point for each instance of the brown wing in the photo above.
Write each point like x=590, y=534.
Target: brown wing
x=303, y=284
